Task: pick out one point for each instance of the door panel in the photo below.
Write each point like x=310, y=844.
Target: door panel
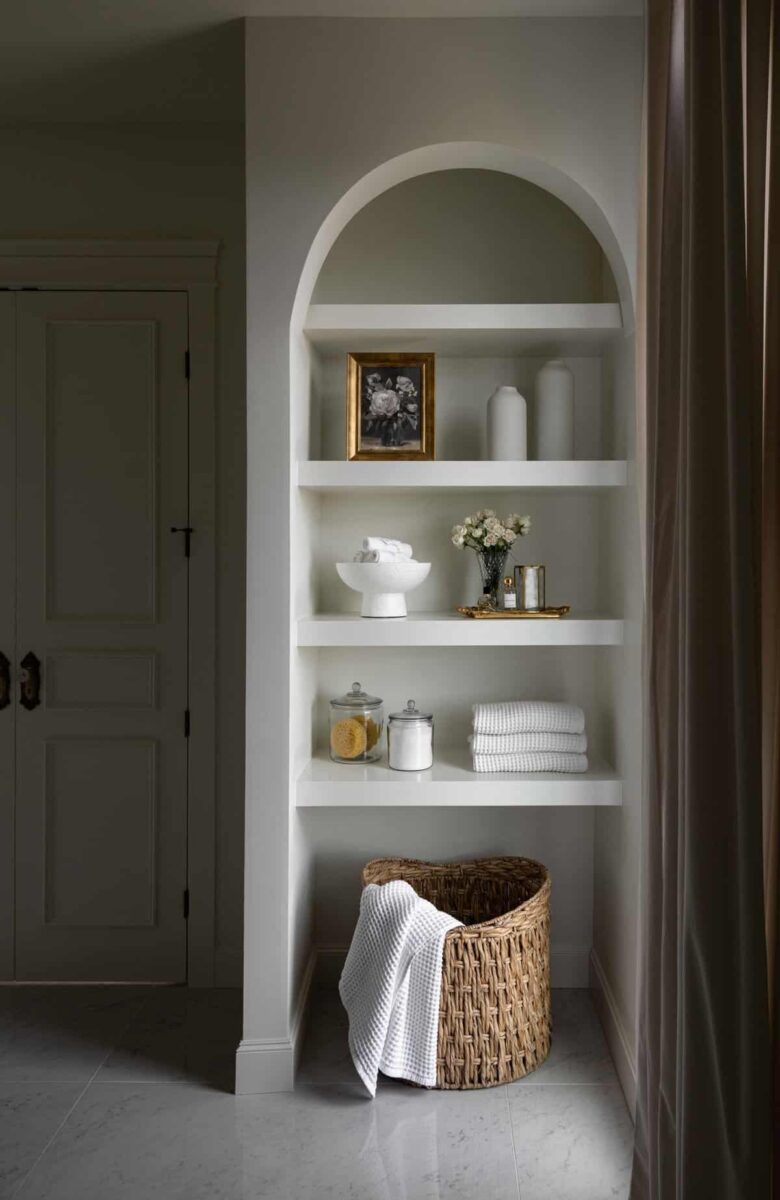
x=101, y=427
x=108, y=787
x=7, y=611
x=101, y=817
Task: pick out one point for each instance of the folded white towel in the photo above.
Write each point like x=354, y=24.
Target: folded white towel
x=391, y=984
x=525, y=743
x=381, y=556
x=528, y=716
x=381, y=543
x=545, y=760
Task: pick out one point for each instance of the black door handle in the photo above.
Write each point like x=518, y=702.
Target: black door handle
x=30, y=683
x=5, y=681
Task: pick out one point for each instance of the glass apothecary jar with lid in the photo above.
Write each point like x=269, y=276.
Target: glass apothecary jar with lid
x=410, y=739
x=356, y=724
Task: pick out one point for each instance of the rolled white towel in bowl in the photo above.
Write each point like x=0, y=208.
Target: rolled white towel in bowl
x=381, y=556
x=527, y=743
x=528, y=716
x=403, y=549
x=547, y=760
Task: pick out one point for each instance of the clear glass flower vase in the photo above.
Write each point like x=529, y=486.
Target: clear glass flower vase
x=492, y=567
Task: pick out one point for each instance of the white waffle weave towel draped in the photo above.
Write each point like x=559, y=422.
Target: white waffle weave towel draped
x=568, y=764
x=391, y=984
x=526, y=743
x=528, y=716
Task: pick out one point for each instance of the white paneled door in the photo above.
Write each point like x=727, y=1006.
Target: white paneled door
x=98, y=627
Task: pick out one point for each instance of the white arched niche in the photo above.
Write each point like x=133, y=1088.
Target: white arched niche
x=449, y=158
x=462, y=155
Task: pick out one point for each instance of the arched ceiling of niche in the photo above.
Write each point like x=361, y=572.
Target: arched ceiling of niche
x=465, y=236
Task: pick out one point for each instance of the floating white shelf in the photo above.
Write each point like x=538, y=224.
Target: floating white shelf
x=474, y=330
x=451, y=629
x=460, y=476
x=450, y=783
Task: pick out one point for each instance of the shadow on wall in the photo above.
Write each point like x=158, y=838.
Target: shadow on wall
x=198, y=77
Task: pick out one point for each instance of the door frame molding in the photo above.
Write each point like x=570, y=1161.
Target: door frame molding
x=47, y=264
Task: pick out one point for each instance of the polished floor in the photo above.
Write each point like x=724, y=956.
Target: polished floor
x=123, y=1094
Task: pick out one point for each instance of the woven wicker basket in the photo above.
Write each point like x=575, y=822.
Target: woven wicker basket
x=494, y=1019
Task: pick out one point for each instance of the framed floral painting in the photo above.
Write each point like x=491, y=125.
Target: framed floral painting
x=390, y=400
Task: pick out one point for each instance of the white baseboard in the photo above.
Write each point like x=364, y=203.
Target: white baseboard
x=615, y=1032
x=268, y=1064
x=264, y=1065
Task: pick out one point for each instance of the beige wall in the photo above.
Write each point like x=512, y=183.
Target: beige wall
x=159, y=181
x=465, y=237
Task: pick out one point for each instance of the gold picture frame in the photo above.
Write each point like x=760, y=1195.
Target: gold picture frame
x=390, y=406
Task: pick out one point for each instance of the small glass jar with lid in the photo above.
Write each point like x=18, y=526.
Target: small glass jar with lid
x=356, y=724
x=410, y=739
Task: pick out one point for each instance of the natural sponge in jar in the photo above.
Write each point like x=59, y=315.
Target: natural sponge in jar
x=356, y=725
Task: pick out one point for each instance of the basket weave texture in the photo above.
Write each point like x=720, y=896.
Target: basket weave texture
x=494, y=1018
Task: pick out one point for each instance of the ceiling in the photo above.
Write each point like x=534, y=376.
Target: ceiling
x=180, y=60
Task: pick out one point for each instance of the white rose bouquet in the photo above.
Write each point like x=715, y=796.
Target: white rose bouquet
x=484, y=530
x=492, y=537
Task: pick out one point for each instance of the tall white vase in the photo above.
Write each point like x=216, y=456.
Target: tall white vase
x=554, y=411
x=507, y=425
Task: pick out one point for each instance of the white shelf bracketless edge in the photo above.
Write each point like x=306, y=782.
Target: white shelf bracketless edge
x=451, y=475
x=451, y=629
x=450, y=783
x=463, y=327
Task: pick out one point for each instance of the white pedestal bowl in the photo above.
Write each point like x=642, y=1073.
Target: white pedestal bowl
x=383, y=585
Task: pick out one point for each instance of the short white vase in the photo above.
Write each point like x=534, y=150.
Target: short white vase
x=507, y=426
x=384, y=585
x=554, y=411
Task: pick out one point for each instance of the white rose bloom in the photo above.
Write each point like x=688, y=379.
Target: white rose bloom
x=385, y=403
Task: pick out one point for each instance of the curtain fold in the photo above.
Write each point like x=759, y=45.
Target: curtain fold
x=703, y=1107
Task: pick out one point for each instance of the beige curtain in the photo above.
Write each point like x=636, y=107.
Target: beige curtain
x=703, y=1109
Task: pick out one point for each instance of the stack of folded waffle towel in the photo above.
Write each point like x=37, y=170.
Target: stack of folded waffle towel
x=529, y=735
x=380, y=550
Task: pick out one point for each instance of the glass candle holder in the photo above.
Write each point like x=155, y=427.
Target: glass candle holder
x=529, y=584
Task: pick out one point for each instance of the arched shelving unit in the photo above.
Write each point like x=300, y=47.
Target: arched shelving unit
x=339, y=815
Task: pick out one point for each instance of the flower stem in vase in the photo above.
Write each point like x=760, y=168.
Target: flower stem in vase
x=492, y=564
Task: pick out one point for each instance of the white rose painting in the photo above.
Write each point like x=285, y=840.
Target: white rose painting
x=390, y=406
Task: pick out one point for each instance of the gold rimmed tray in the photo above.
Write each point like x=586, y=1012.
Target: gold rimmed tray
x=517, y=614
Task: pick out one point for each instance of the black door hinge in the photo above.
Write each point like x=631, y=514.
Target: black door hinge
x=186, y=364
x=188, y=531
x=186, y=722
x=186, y=903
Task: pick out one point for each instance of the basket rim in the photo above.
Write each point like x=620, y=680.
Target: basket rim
x=502, y=924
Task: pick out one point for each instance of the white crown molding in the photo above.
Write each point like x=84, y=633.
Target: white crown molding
x=80, y=263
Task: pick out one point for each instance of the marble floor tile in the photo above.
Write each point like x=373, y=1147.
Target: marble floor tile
x=61, y=1034
x=30, y=1113
x=177, y=1141
x=579, y=1051
x=571, y=1143
x=180, y=1033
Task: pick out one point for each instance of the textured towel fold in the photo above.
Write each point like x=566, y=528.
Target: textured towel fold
x=547, y=760
x=382, y=556
x=528, y=716
x=391, y=984
x=393, y=544
x=526, y=743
